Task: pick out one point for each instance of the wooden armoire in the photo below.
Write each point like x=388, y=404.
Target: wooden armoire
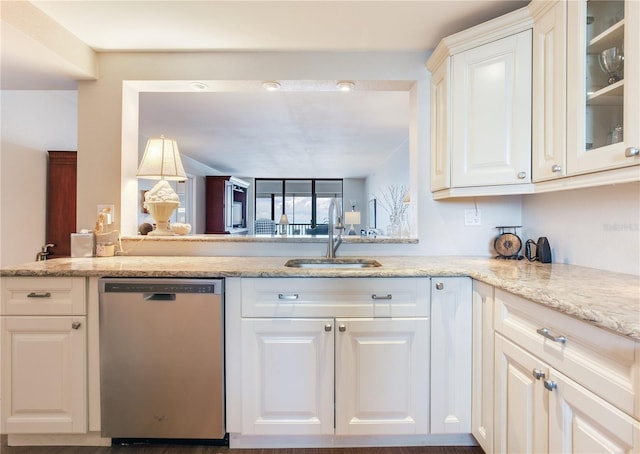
x=61, y=202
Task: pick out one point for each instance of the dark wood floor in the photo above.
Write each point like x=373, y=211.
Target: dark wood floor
x=177, y=449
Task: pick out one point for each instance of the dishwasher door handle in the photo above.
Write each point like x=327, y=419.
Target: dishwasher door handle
x=159, y=296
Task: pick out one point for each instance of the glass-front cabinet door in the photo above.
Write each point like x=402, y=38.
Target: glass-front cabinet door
x=603, y=78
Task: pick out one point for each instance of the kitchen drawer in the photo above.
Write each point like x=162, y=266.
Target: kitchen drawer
x=603, y=362
x=335, y=297
x=43, y=296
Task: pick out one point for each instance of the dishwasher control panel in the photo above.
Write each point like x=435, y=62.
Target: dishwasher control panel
x=161, y=286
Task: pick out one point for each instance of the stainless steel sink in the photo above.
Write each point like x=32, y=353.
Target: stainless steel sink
x=332, y=263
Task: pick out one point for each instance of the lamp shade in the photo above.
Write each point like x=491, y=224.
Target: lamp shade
x=284, y=220
x=161, y=161
x=352, y=217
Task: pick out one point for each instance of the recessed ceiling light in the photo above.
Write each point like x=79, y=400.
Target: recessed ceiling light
x=198, y=86
x=271, y=85
x=345, y=85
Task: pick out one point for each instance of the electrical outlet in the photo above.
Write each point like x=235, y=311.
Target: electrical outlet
x=109, y=212
x=472, y=217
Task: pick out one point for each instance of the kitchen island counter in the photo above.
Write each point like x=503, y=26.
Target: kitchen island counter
x=606, y=299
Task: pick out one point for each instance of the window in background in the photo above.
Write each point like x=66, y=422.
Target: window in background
x=304, y=201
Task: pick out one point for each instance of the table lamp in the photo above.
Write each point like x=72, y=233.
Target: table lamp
x=161, y=161
x=352, y=217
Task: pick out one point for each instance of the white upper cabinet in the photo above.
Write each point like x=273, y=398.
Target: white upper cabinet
x=549, y=108
x=481, y=109
x=603, y=98
x=491, y=118
x=440, y=127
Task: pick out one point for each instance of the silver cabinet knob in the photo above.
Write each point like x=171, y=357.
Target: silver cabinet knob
x=550, y=385
x=327, y=327
x=556, y=168
x=342, y=328
x=439, y=285
x=538, y=374
x=631, y=152
x=522, y=175
x=76, y=325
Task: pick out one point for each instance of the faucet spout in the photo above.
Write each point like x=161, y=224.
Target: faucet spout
x=44, y=253
x=334, y=243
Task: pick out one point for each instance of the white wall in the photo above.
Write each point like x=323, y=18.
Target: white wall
x=592, y=227
x=105, y=142
x=32, y=123
x=595, y=227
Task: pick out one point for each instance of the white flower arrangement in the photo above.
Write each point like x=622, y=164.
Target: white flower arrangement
x=393, y=201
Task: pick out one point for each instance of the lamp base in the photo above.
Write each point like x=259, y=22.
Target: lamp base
x=162, y=229
x=352, y=231
x=161, y=213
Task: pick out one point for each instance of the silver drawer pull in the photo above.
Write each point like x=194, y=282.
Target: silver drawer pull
x=381, y=297
x=327, y=327
x=39, y=295
x=289, y=297
x=546, y=333
x=631, y=152
x=76, y=325
x=556, y=168
x=550, y=385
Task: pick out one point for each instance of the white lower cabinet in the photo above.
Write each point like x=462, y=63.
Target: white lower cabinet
x=521, y=402
x=381, y=376
x=451, y=348
x=561, y=385
x=318, y=374
x=379, y=370
x=580, y=422
x=482, y=366
x=287, y=384
x=44, y=389
x=44, y=374
x=540, y=410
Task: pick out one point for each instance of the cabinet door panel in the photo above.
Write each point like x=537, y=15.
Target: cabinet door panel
x=451, y=313
x=521, y=401
x=580, y=422
x=482, y=369
x=491, y=98
x=382, y=376
x=440, y=127
x=549, y=93
x=287, y=370
x=44, y=388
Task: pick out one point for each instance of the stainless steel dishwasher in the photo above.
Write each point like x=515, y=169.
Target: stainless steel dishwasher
x=162, y=358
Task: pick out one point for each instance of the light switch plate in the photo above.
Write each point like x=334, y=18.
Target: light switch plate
x=472, y=217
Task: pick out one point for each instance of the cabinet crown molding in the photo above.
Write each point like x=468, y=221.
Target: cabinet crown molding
x=500, y=27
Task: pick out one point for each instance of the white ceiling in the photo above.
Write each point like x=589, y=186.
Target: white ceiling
x=260, y=130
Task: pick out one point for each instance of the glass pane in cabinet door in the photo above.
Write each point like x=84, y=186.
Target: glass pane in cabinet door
x=605, y=73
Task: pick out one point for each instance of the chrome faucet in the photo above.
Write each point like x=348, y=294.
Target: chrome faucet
x=333, y=244
x=44, y=253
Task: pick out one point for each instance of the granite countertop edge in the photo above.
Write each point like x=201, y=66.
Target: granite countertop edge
x=606, y=299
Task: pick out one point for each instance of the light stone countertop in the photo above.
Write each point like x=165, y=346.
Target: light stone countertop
x=606, y=299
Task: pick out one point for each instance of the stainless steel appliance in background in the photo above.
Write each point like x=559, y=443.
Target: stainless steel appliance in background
x=162, y=358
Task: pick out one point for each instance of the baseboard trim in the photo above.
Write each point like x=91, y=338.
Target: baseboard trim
x=89, y=439
x=329, y=441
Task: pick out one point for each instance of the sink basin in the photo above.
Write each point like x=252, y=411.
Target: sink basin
x=332, y=263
